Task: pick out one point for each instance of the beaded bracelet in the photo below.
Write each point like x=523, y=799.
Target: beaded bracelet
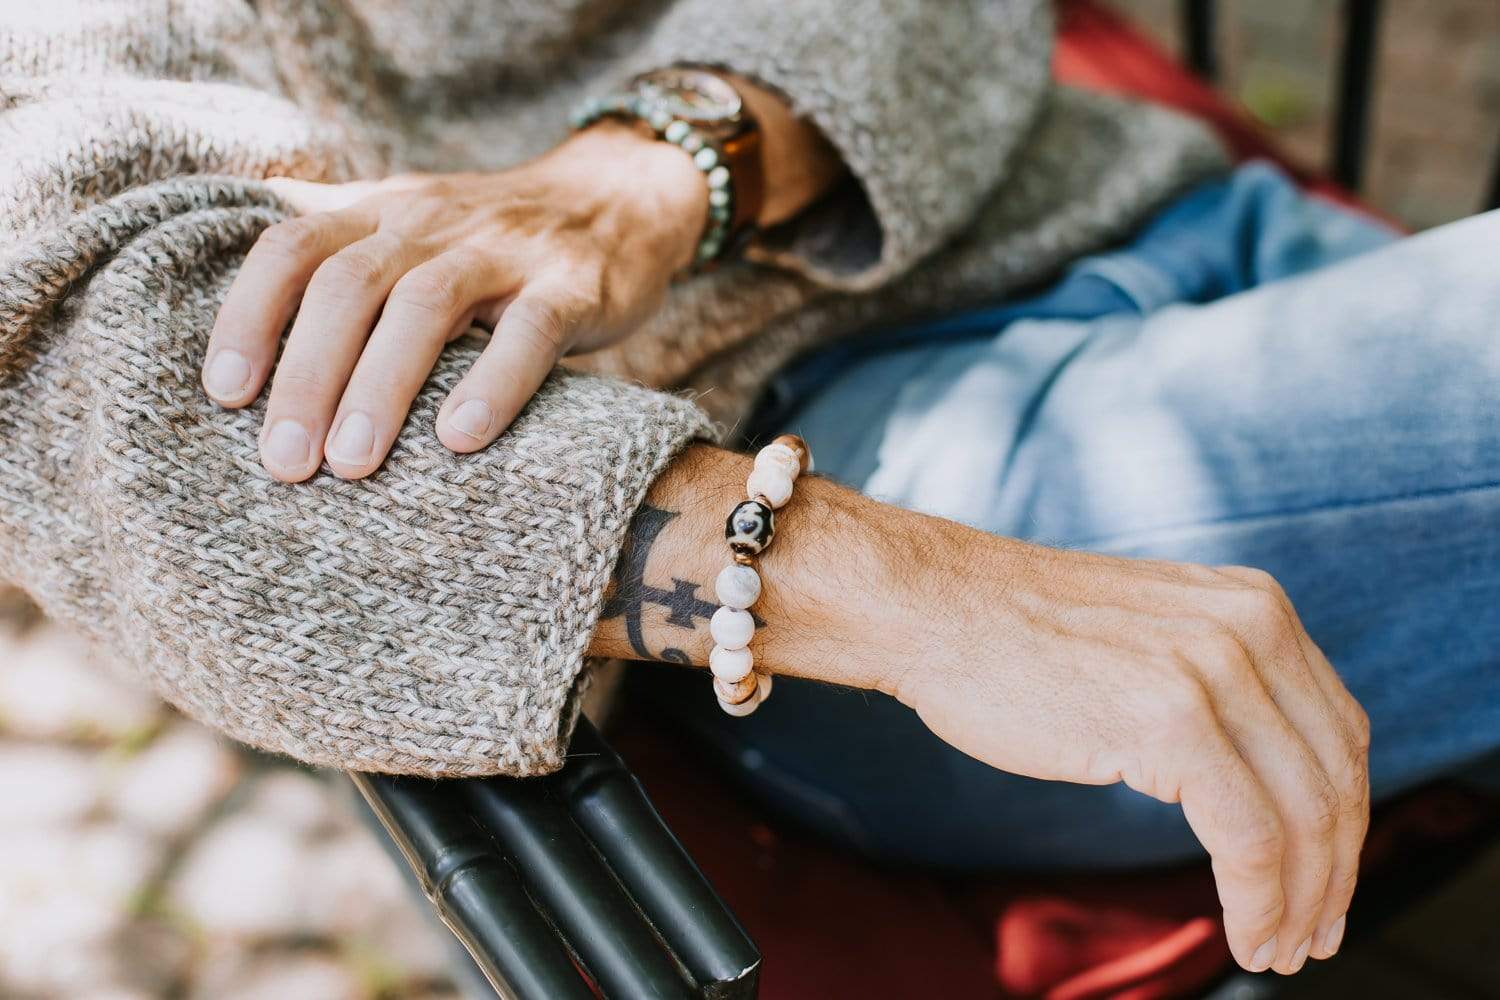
x=739, y=687
x=645, y=105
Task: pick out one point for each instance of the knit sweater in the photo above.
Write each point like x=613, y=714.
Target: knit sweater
x=434, y=618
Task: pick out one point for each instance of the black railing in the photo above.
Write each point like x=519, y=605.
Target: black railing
x=1198, y=49
x=1351, y=122
x=1358, y=57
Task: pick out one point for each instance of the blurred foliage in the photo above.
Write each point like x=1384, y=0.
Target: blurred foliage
x=1276, y=99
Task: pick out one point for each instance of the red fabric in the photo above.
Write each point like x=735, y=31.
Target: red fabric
x=830, y=926
x=1100, y=50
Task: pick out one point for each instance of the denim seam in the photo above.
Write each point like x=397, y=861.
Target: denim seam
x=1106, y=540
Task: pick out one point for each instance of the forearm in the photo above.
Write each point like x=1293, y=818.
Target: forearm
x=852, y=588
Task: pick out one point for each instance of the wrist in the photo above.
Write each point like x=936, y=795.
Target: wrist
x=654, y=185
x=838, y=594
x=845, y=584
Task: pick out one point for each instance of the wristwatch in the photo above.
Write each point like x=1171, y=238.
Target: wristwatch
x=702, y=112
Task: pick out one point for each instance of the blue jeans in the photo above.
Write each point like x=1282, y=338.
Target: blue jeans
x=1195, y=395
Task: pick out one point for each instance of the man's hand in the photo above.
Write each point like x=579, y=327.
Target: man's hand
x=1187, y=683
x=1190, y=684
x=563, y=254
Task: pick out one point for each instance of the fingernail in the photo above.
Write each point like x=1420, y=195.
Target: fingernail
x=227, y=375
x=1334, y=937
x=1264, y=956
x=472, y=418
x=354, y=440
x=1300, y=956
x=287, y=446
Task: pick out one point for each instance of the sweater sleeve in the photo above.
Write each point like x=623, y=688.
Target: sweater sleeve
x=926, y=102
x=431, y=620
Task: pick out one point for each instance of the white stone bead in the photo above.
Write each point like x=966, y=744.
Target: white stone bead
x=734, y=692
x=772, y=483
x=779, y=456
x=732, y=628
x=731, y=664
x=763, y=686
x=737, y=586
x=743, y=709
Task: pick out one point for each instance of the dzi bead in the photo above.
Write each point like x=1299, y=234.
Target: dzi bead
x=750, y=527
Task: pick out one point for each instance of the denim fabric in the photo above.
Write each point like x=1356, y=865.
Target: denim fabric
x=1196, y=395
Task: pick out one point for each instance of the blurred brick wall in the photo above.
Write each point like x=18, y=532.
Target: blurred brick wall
x=1436, y=113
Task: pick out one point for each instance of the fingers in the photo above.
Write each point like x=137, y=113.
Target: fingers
x=1306, y=803
x=1235, y=820
x=424, y=308
x=260, y=301
x=1309, y=693
x=345, y=295
x=533, y=332
x=1354, y=781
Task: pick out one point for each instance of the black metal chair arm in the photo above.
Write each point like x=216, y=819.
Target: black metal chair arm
x=560, y=885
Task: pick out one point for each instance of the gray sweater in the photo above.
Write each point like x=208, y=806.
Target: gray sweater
x=434, y=618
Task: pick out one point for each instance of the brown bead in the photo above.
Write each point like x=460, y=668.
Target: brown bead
x=744, y=558
x=799, y=446
x=737, y=692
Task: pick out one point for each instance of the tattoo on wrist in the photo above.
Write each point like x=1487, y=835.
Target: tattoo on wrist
x=685, y=609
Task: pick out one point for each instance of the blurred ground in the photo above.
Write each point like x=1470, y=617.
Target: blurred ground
x=1435, y=126
x=141, y=857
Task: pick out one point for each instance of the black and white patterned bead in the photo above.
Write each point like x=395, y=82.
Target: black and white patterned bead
x=750, y=527
x=738, y=687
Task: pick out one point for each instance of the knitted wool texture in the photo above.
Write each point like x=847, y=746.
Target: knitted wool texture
x=434, y=617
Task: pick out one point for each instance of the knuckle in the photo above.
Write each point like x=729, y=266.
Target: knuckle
x=1359, y=727
x=1255, y=578
x=1262, y=844
x=1220, y=655
x=1353, y=799
x=1179, y=709
x=434, y=290
x=422, y=208
x=542, y=321
x=354, y=269
x=1342, y=882
x=295, y=238
x=1268, y=910
x=1262, y=609
x=1319, y=813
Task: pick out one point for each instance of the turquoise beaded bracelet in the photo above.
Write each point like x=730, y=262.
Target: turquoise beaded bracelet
x=707, y=157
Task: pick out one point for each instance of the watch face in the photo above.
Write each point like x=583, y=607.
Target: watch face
x=693, y=95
